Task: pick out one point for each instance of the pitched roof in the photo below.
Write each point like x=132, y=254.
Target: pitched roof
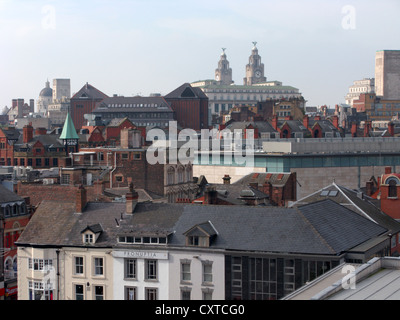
x=69, y=131
x=340, y=227
x=8, y=196
x=89, y=92
x=321, y=228
x=186, y=91
x=353, y=200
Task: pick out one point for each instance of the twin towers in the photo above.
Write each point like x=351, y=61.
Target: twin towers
x=254, y=69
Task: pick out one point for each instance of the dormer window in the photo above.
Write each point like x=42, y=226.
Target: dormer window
x=91, y=233
x=201, y=235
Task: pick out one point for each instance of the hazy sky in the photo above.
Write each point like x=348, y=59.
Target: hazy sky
x=142, y=47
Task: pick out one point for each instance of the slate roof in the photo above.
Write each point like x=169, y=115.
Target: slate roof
x=89, y=92
x=11, y=133
x=300, y=231
x=106, y=104
x=362, y=205
x=262, y=126
x=339, y=226
x=324, y=228
x=177, y=93
x=8, y=196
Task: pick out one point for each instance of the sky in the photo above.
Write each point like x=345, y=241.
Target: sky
x=153, y=46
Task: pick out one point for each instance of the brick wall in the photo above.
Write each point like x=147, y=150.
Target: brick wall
x=39, y=192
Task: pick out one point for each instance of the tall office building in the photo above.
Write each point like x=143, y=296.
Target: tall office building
x=61, y=89
x=387, y=74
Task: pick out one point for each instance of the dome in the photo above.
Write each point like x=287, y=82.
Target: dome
x=47, y=91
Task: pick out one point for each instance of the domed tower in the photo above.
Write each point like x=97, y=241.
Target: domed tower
x=223, y=74
x=254, y=69
x=45, y=98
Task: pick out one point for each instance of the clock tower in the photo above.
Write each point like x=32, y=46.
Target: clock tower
x=254, y=69
x=223, y=74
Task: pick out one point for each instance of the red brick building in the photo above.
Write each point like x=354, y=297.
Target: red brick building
x=15, y=214
x=38, y=149
x=8, y=136
x=190, y=105
x=84, y=102
x=387, y=190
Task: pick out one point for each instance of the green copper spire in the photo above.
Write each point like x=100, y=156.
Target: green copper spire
x=69, y=131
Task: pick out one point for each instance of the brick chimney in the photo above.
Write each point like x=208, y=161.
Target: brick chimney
x=335, y=121
x=210, y=195
x=391, y=129
x=227, y=179
x=40, y=131
x=388, y=170
x=27, y=132
x=81, y=200
x=317, y=118
x=305, y=121
x=132, y=198
x=367, y=128
x=354, y=129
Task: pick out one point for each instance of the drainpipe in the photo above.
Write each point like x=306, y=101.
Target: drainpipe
x=112, y=171
x=58, y=274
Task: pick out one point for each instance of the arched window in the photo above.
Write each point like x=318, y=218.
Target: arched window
x=171, y=176
x=180, y=175
x=392, y=189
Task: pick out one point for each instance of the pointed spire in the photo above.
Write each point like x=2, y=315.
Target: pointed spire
x=69, y=131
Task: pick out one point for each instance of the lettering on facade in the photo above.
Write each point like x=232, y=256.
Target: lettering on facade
x=140, y=254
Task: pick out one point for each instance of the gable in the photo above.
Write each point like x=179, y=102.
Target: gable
x=188, y=93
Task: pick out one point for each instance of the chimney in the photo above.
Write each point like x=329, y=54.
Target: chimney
x=288, y=118
x=27, y=132
x=367, y=128
x=369, y=188
x=317, y=118
x=305, y=121
x=388, y=170
x=335, y=121
x=81, y=199
x=40, y=131
x=210, y=195
x=132, y=198
x=391, y=129
x=354, y=129
x=227, y=179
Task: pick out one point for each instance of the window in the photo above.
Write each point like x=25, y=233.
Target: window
x=130, y=268
x=207, y=272
x=185, y=270
x=194, y=240
x=98, y=292
x=79, y=292
x=151, y=270
x=151, y=293
x=88, y=238
x=40, y=291
x=55, y=162
x=185, y=293
x=130, y=293
x=65, y=179
x=98, y=266
x=392, y=189
x=40, y=264
x=78, y=265
x=207, y=294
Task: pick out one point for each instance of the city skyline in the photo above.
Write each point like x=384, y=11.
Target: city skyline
x=142, y=47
